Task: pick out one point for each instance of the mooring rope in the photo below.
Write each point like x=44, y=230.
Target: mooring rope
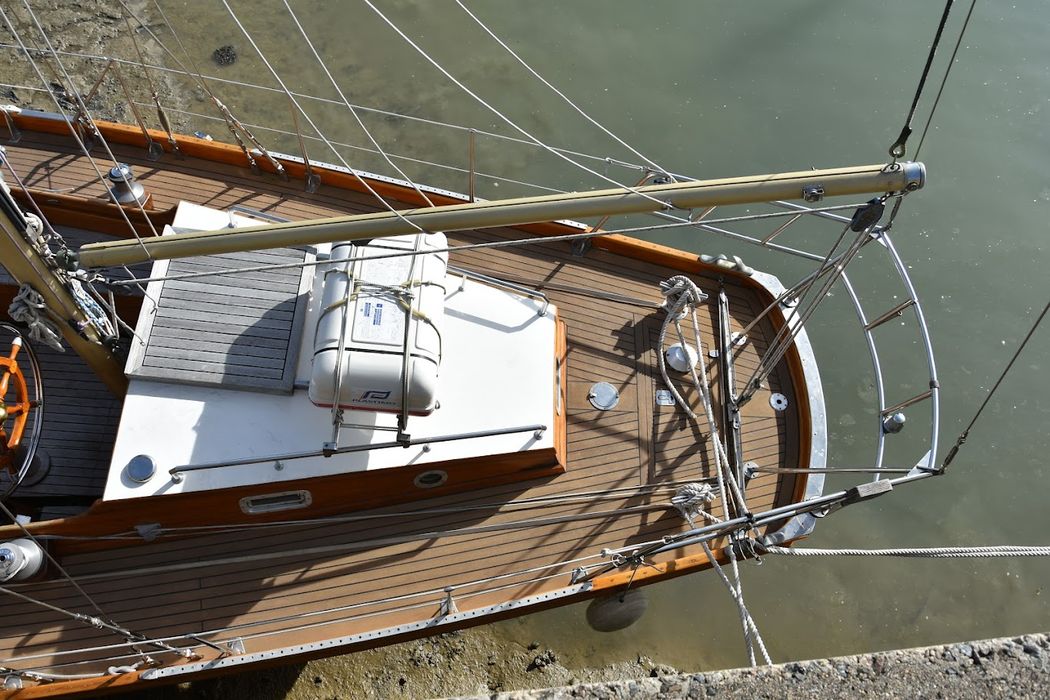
x=913, y=552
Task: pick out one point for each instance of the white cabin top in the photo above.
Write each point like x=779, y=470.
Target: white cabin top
x=497, y=373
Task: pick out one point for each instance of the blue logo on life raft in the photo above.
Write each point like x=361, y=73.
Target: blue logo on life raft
x=377, y=317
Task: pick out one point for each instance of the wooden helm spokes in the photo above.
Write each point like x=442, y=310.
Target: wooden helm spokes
x=17, y=410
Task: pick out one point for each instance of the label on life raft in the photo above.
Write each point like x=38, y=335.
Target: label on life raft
x=379, y=320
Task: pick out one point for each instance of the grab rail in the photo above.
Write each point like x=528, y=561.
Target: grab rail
x=495, y=281
x=328, y=450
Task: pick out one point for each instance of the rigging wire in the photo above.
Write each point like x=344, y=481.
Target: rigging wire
x=162, y=117
x=79, y=141
x=785, y=337
x=560, y=94
x=82, y=106
x=232, y=123
x=944, y=80
x=356, y=545
x=314, y=126
x=608, y=160
x=966, y=433
x=898, y=149
x=101, y=621
x=353, y=111
x=459, y=588
x=477, y=98
x=512, y=243
x=72, y=130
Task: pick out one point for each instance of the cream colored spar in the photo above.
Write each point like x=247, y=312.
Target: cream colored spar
x=513, y=212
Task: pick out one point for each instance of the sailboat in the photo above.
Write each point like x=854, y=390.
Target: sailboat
x=261, y=408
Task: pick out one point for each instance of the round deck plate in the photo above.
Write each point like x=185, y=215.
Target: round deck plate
x=604, y=396
x=141, y=468
x=778, y=401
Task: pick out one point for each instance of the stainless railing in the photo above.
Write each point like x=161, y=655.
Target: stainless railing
x=331, y=450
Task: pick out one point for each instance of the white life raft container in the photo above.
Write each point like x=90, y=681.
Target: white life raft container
x=367, y=304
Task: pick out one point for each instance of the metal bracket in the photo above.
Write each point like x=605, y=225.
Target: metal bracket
x=813, y=193
x=236, y=646
x=730, y=407
x=148, y=531
x=14, y=134
x=448, y=605
x=867, y=491
x=750, y=470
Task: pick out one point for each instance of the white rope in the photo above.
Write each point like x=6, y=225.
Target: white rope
x=751, y=632
x=681, y=293
x=45, y=676
x=28, y=307
x=915, y=552
x=689, y=499
x=687, y=295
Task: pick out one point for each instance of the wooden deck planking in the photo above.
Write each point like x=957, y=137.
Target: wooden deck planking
x=80, y=425
x=230, y=357
x=605, y=450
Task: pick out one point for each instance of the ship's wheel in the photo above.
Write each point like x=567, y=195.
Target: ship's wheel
x=20, y=400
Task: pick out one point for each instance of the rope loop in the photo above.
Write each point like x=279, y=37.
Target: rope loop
x=28, y=307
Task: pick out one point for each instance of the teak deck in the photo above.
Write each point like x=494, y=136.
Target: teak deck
x=298, y=584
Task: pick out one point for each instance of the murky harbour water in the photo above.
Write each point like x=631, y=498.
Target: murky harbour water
x=714, y=90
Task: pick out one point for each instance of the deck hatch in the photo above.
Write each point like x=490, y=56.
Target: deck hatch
x=235, y=331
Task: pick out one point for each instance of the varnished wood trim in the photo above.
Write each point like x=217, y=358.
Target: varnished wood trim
x=561, y=408
x=330, y=495
x=80, y=688
x=651, y=573
x=95, y=214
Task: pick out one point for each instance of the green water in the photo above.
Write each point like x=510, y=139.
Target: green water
x=719, y=89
